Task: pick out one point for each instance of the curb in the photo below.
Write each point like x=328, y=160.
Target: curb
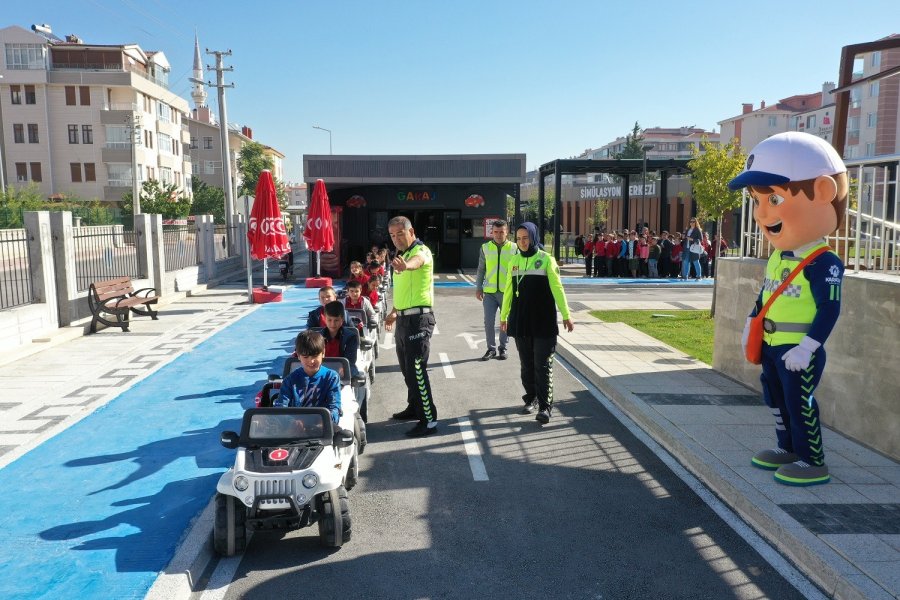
x=195, y=552
x=819, y=562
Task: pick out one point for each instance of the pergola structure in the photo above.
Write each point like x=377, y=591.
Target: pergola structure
x=623, y=167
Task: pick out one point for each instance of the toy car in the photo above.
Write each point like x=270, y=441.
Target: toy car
x=289, y=472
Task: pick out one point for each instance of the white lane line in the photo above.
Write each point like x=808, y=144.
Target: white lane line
x=473, y=450
x=388, y=342
x=451, y=277
x=448, y=368
x=470, y=340
x=435, y=332
x=221, y=578
x=756, y=541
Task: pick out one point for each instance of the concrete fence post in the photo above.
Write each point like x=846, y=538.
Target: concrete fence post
x=64, y=264
x=144, y=245
x=41, y=266
x=158, y=250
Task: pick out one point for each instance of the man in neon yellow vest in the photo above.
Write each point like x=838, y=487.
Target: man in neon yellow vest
x=490, y=281
x=799, y=188
x=413, y=314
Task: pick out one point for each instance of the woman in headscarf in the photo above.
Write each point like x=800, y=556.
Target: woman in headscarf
x=533, y=294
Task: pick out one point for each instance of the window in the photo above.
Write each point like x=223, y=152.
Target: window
x=873, y=89
x=165, y=175
x=149, y=173
x=773, y=121
x=165, y=142
x=209, y=167
x=876, y=59
x=90, y=174
x=87, y=134
x=148, y=138
x=795, y=123
x=26, y=56
x=30, y=96
x=207, y=143
x=75, y=168
x=194, y=144
x=70, y=95
x=33, y=133
x=872, y=119
x=21, y=172
x=36, y=172
x=15, y=94
x=119, y=174
x=73, y=134
x=164, y=111
x=810, y=122
x=855, y=94
x=85, y=95
x=117, y=137
x=870, y=149
x=853, y=124
x=19, y=133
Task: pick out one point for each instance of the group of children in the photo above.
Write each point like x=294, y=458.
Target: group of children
x=629, y=254
x=330, y=334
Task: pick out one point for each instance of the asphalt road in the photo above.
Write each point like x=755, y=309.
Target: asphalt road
x=578, y=508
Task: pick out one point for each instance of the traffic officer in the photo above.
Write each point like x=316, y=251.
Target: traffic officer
x=413, y=314
x=490, y=281
x=533, y=293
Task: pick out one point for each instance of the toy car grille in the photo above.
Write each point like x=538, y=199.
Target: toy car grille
x=274, y=487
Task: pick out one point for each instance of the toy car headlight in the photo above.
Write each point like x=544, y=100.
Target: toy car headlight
x=310, y=480
x=241, y=483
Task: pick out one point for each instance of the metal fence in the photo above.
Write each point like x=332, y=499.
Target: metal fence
x=105, y=252
x=869, y=239
x=180, y=243
x=15, y=269
x=223, y=248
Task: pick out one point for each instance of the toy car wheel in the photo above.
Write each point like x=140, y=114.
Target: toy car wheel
x=359, y=431
x=334, y=518
x=372, y=372
x=229, y=529
x=352, y=477
x=375, y=349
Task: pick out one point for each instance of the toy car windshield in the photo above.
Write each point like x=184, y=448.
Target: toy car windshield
x=287, y=425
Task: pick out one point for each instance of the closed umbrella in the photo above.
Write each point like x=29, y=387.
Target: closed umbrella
x=319, y=234
x=265, y=231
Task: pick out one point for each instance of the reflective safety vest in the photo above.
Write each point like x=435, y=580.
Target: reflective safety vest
x=415, y=288
x=496, y=265
x=790, y=316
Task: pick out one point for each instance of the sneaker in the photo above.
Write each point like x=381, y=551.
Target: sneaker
x=543, y=416
x=770, y=460
x=530, y=407
x=491, y=353
x=502, y=354
x=422, y=429
x=801, y=473
x=406, y=414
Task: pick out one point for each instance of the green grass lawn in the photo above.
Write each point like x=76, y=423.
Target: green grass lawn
x=691, y=331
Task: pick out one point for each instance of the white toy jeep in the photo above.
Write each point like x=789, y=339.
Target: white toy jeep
x=290, y=472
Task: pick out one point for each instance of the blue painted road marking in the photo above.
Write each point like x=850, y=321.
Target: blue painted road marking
x=98, y=510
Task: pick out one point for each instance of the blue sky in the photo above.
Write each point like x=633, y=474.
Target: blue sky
x=547, y=78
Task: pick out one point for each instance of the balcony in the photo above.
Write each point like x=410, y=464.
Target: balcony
x=116, y=152
x=131, y=107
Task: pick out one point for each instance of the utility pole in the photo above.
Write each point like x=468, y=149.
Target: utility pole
x=220, y=86
x=133, y=125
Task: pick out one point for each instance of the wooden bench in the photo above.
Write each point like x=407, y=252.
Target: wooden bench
x=117, y=297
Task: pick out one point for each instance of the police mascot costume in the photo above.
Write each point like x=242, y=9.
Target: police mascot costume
x=798, y=184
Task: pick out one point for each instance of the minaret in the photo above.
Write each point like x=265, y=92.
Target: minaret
x=199, y=91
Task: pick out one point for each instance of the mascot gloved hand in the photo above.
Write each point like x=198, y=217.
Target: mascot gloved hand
x=798, y=185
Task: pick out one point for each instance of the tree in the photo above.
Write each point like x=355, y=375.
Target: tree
x=633, y=143
x=208, y=200
x=712, y=167
x=158, y=199
x=251, y=161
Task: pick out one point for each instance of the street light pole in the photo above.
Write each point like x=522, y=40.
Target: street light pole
x=644, y=149
x=329, y=136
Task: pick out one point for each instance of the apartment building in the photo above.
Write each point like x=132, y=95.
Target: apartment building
x=873, y=119
x=205, y=147
x=70, y=110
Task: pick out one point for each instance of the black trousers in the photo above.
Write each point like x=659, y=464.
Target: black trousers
x=536, y=363
x=588, y=264
x=598, y=265
x=413, y=340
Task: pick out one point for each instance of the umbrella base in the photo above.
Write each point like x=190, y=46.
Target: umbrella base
x=318, y=282
x=261, y=296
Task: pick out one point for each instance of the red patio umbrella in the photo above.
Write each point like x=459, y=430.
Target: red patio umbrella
x=265, y=230
x=318, y=234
